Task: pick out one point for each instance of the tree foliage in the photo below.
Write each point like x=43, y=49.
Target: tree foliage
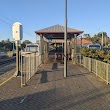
x=97, y=54
x=7, y=45
x=97, y=37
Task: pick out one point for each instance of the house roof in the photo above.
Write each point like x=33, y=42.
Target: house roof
x=58, y=29
x=84, y=41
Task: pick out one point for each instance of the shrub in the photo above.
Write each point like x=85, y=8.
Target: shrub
x=96, y=54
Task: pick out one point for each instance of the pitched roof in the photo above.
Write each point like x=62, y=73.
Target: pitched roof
x=84, y=41
x=58, y=29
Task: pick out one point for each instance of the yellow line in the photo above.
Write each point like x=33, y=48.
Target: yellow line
x=6, y=81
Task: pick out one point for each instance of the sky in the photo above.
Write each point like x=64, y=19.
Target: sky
x=91, y=16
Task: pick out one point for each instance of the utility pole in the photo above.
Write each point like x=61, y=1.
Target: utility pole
x=65, y=42
x=81, y=44
x=102, y=38
x=75, y=37
x=105, y=37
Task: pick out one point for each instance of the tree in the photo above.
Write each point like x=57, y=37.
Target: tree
x=95, y=39
x=6, y=45
x=100, y=34
x=23, y=45
x=87, y=37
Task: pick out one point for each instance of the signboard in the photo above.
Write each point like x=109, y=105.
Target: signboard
x=17, y=31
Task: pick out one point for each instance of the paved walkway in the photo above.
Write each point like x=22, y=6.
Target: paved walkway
x=49, y=90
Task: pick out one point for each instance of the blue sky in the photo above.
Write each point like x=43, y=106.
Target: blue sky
x=92, y=16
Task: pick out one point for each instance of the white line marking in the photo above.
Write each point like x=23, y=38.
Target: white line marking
x=23, y=100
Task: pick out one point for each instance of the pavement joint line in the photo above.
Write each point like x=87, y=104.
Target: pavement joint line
x=6, y=80
x=22, y=100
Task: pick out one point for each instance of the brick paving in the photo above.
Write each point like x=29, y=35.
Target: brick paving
x=49, y=90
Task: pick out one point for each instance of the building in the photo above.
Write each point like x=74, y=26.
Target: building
x=84, y=41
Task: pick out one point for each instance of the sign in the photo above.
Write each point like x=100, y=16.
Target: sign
x=17, y=31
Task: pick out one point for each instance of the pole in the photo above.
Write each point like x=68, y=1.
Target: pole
x=81, y=49
x=105, y=40
x=13, y=46
x=65, y=40
x=102, y=38
x=62, y=51
x=17, y=73
x=81, y=42
x=75, y=49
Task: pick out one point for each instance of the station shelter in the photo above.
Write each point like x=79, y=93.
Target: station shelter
x=55, y=35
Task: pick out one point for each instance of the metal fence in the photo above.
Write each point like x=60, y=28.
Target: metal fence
x=100, y=68
x=29, y=65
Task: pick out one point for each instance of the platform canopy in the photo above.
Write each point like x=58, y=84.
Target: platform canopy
x=57, y=32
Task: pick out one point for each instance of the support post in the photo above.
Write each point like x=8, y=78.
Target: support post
x=42, y=49
x=17, y=73
x=107, y=79
x=74, y=49
x=90, y=64
x=96, y=68
x=65, y=40
x=62, y=51
x=81, y=50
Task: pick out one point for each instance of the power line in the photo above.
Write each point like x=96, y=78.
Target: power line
x=100, y=29
x=11, y=25
x=5, y=22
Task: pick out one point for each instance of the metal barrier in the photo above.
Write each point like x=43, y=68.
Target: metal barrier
x=29, y=65
x=100, y=68
x=78, y=59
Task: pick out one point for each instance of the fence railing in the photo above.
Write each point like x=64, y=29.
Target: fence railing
x=77, y=58
x=100, y=68
x=29, y=65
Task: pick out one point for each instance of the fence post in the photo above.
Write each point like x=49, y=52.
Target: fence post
x=21, y=72
x=107, y=73
x=29, y=66
x=80, y=59
x=96, y=68
x=19, y=60
x=90, y=64
x=36, y=62
x=32, y=64
x=84, y=62
x=25, y=70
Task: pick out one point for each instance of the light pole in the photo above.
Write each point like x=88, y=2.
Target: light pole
x=65, y=42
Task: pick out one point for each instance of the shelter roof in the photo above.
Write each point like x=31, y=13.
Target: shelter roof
x=57, y=32
x=58, y=29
